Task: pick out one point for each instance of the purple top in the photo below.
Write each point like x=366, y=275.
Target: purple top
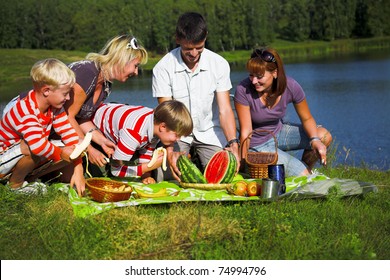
x=87, y=76
x=261, y=116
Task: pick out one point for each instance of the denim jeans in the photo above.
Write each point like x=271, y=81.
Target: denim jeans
x=291, y=137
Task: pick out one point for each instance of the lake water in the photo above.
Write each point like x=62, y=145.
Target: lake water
x=349, y=95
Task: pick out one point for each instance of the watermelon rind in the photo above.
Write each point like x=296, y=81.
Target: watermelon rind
x=190, y=173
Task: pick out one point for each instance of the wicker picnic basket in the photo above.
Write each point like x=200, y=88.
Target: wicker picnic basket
x=257, y=162
x=105, y=190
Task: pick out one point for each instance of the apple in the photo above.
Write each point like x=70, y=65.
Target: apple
x=253, y=189
x=240, y=188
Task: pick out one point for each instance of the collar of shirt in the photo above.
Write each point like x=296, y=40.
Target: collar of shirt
x=181, y=66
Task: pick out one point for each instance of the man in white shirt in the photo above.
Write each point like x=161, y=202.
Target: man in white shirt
x=200, y=79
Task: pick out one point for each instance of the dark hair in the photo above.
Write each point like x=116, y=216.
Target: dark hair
x=191, y=27
x=258, y=65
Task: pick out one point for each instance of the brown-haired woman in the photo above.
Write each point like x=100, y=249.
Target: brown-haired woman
x=261, y=103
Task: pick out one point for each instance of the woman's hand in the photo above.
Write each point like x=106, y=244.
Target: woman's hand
x=320, y=149
x=96, y=157
x=108, y=147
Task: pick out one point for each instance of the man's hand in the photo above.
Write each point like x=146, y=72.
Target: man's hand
x=172, y=159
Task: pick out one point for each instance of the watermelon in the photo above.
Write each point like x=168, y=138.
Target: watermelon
x=190, y=173
x=221, y=168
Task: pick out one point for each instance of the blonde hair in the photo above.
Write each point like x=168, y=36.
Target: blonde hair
x=118, y=51
x=51, y=72
x=175, y=115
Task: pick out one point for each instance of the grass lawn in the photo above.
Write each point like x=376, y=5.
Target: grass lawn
x=354, y=228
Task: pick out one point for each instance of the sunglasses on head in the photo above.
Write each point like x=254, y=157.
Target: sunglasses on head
x=264, y=55
x=133, y=44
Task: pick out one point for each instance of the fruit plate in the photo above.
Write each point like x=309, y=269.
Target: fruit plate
x=205, y=187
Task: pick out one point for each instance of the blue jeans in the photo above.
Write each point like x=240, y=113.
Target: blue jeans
x=291, y=137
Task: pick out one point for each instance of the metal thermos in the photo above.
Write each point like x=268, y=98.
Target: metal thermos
x=276, y=172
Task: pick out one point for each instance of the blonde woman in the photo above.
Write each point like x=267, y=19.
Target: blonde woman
x=118, y=60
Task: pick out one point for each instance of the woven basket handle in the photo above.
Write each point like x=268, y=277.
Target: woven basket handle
x=250, y=136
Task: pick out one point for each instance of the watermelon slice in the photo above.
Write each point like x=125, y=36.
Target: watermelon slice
x=221, y=168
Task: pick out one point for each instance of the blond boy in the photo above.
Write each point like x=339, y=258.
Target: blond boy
x=25, y=128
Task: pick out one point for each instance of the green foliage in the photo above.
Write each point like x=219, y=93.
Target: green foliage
x=354, y=228
x=294, y=22
x=233, y=25
x=16, y=65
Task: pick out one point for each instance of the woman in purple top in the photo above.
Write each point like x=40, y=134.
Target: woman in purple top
x=261, y=103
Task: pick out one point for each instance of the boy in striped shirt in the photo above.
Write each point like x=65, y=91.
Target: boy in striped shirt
x=136, y=131
x=25, y=129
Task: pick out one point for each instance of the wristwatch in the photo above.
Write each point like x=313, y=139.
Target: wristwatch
x=235, y=140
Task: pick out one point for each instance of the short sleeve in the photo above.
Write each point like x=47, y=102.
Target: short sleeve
x=223, y=79
x=86, y=73
x=240, y=95
x=161, y=85
x=296, y=91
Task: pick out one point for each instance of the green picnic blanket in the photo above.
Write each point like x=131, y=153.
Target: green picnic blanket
x=302, y=187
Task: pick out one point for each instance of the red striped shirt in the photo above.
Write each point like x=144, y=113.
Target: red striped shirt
x=25, y=121
x=131, y=129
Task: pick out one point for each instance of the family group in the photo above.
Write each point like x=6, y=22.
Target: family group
x=194, y=113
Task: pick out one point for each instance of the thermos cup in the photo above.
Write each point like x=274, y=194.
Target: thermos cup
x=269, y=188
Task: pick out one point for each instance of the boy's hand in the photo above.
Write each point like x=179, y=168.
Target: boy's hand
x=66, y=151
x=159, y=154
x=154, y=163
x=148, y=180
x=78, y=180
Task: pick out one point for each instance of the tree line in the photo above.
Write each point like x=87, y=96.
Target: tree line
x=233, y=24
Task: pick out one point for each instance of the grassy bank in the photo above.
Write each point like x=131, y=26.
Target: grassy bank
x=16, y=63
x=44, y=227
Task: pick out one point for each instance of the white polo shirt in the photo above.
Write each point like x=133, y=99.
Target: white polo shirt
x=172, y=78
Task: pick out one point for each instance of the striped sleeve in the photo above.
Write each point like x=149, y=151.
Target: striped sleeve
x=64, y=129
